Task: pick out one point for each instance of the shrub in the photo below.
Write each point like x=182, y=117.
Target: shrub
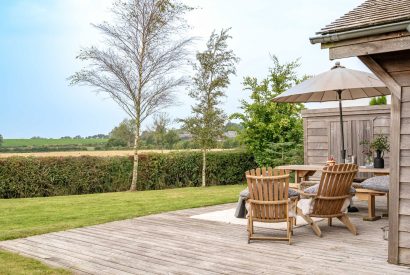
x=36, y=177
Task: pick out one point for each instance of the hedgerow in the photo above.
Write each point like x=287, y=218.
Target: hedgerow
x=54, y=176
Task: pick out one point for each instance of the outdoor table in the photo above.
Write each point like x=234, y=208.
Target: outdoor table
x=303, y=172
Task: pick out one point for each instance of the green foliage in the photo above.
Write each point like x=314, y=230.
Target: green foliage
x=123, y=134
x=281, y=153
x=380, y=143
x=271, y=128
x=1, y=139
x=215, y=65
x=38, y=177
x=382, y=100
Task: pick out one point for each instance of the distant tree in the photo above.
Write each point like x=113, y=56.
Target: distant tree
x=382, y=100
x=272, y=129
x=171, y=138
x=98, y=136
x=159, y=129
x=231, y=126
x=212, y=71
x=78, y=137
x=123, y=134
x=137, y=67
x=1, y=140
x=66, y=137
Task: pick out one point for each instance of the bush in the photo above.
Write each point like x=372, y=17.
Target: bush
x=54, y=176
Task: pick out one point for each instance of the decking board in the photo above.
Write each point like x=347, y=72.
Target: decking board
x=174, y=243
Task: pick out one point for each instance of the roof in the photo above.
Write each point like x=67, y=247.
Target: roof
x=370, y=13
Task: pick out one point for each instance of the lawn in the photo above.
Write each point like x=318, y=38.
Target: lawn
x=25, y=217
x=13, y=264
x=51, y=142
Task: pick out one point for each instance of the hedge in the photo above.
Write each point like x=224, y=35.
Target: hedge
x=54, y=176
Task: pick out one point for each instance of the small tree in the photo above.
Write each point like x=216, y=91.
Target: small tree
x=212, y=71
x=144, y=48
x=1, y=139
x=270, y=128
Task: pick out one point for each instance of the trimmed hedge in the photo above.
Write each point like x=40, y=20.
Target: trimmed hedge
x=55, y=176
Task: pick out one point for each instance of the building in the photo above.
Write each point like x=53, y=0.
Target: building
x=378, y=33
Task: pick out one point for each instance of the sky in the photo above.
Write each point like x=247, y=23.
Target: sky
x=39, y=40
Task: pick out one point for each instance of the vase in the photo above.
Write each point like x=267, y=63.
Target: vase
x=378, y=160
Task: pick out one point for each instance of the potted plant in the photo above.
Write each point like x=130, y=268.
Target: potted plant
x=380, y=145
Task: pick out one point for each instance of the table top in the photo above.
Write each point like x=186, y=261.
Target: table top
x=320, y=167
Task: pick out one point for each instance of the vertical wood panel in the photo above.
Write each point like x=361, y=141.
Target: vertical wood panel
x=394, y=180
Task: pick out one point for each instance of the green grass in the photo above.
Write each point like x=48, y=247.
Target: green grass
x=51, y=142
x=13, y=264
x=25, y=217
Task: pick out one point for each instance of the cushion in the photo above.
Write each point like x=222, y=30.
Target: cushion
x=306, y=205
x=380, y=183
x=291, y=193
x=313, y=189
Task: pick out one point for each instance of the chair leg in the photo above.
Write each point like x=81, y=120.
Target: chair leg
x=309, y=220
x=329, y=221
x=346, y=221
x=289, y=231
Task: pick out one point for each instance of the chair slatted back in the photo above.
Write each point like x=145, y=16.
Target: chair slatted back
x=334, y=188
x=268, y=193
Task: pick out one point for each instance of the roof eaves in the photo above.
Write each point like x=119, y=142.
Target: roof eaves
x=361, y=32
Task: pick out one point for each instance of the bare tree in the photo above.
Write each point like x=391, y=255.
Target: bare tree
x=136, y=68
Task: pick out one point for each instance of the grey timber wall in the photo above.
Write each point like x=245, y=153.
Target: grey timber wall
x=322, y=131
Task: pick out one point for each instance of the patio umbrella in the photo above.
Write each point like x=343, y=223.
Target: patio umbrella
x=335, y=85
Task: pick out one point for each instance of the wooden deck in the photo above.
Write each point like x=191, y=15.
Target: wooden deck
x=174, y=243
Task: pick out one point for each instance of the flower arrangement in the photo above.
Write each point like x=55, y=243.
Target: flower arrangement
x=330, y=161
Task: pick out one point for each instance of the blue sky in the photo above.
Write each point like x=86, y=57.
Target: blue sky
x=39, y=40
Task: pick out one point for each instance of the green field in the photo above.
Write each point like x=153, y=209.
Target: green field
x=51, y=142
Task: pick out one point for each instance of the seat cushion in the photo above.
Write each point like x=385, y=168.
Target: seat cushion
x=380, y=183
x=313, y=189
x=291, y=193
x=306, y=205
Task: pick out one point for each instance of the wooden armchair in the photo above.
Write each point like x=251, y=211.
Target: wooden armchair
x=332, y=198
x=268, y=200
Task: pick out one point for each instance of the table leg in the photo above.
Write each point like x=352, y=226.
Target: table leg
x=386, y=215
x=371, y=209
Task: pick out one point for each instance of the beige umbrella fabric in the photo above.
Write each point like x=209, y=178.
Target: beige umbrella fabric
x=323, y=87
x=335, y=85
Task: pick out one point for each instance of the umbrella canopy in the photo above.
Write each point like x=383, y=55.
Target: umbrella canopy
x=325, y=86
x=335, y=85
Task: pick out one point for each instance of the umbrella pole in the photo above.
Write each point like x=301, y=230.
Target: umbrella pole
x=339, y=92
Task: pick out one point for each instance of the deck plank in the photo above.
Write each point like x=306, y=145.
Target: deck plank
x=174, y=243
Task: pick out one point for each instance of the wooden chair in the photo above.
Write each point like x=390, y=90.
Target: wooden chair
x=268, y=200
x=334, y=189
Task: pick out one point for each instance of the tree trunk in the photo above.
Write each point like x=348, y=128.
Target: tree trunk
x=203, y=167
x=135, y=164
